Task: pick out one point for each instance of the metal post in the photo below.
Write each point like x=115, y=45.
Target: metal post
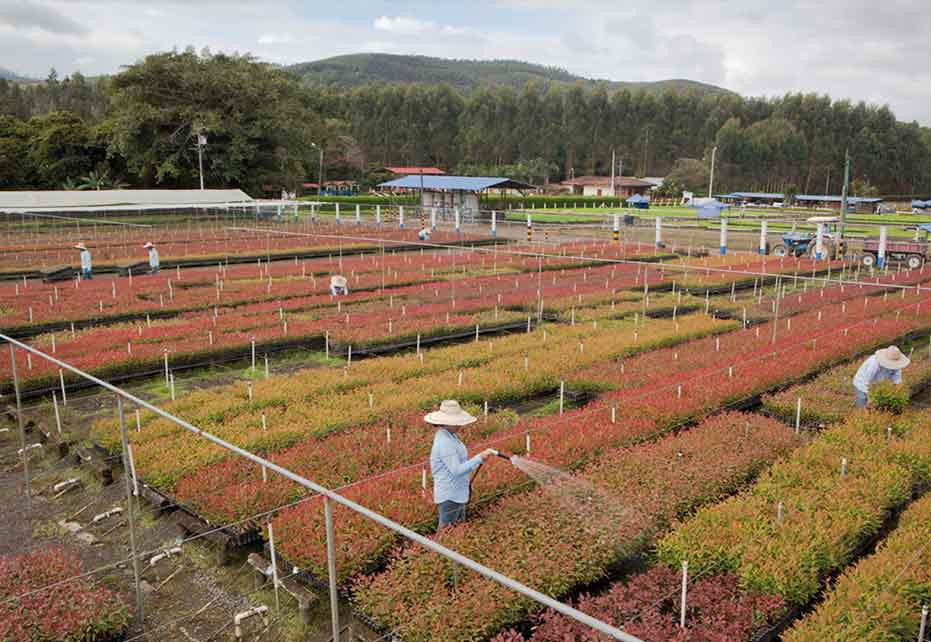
x=843, y=205
x=22, y=430
x=763, y=225
x=271, y=545
x=331, y=567
x=129, y=507
x=924, y=623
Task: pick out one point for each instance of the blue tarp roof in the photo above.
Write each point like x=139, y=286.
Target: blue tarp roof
x=921, y=204
x=772, y=195
x=853, y=200
x=638, y=198
x=462, y=183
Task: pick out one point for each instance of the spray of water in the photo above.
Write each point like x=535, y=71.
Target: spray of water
x=600, y=512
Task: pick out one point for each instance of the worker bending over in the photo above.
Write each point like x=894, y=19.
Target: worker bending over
x=883, y=365
x=87, y=270
x=338, y=285
x=424, y=234
x=153, y=257
x=449, y=462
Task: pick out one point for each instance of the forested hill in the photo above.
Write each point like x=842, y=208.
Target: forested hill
x=362, y=69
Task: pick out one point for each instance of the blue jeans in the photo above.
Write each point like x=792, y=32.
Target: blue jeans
x=451, y=513
x=87, y=274
x=861, y=398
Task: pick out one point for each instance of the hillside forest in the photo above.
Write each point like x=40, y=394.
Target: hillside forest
x=265, y=127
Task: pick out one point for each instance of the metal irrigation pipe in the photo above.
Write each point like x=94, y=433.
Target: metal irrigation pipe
x=667, y=266
x=329, y=495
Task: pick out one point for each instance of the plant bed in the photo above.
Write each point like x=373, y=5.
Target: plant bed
x=537, y=539
x=77, y=610
x=826, y=520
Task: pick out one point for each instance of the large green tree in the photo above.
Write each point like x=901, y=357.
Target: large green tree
x=257, y=121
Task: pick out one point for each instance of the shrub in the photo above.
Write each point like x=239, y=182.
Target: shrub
x=889, y=397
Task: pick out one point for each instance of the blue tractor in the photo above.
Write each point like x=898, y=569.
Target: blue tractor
x=796, y=243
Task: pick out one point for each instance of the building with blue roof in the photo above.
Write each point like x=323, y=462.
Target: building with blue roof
x=450, y=192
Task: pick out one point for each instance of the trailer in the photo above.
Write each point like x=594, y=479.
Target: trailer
x=913, y=253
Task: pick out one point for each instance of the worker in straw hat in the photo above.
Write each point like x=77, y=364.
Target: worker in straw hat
x=87, y=270
x=153, y=257
x=338, y=285
x=449, y=462
x=883, y=365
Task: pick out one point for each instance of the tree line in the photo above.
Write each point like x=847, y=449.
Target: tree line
x=265, y=129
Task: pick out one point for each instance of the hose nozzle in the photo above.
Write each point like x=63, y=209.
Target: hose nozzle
x=503, y=455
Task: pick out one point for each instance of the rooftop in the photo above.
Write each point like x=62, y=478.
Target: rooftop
x=426, y=171
x=457, y=183
x=619, y=181
x=58, y=200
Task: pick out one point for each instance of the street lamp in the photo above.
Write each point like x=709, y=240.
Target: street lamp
x=201, y=143
x=320, y=179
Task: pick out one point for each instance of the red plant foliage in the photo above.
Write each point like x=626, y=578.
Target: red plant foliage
x=77, y=611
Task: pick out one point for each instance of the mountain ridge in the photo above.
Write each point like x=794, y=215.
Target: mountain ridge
x=353, y=70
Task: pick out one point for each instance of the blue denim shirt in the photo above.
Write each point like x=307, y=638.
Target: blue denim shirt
x=450, y=466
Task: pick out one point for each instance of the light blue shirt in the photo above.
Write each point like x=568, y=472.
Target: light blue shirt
x=153, y=258
x=85, y=260
x=871, y=372
x=450, y=466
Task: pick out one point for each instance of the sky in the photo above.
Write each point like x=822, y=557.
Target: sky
x=855, y=49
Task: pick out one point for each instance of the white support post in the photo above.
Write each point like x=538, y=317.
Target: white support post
x=358, y=214
x=659, y=231
x=57, y=412
x=881, y=255
x=433, y=218
x=401, y=217
x=685, y=584
x=763, y=225
x=798, y=414
x=924, y=623
x=331, y=567
x=723, y=245
x=458, y=220
x=378, y=215
x=819, y=242
x=338, y=218
x=494, y=223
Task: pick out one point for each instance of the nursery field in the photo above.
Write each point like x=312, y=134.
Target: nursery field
x=687, y=461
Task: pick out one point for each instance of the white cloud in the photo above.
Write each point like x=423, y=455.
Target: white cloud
x=275, y=39
x=402, y=25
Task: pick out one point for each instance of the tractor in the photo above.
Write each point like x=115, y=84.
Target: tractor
x=800, y=243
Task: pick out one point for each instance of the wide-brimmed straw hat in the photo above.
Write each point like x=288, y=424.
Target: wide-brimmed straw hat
x=80, y=246
x=148, y=245
x=892, y=358
x=338, y=281
x=449, y=414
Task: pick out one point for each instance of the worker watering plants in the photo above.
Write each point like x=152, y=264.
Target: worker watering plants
x=153, y=257
x=87, y=270
x=338, y=285
x=883, y=365
x=449, y=462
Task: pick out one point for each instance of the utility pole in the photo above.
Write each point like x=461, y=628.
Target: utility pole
x=843, y=205
x=714, y=151
x=613, y=188
x=827, y=182
x=320, y=177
